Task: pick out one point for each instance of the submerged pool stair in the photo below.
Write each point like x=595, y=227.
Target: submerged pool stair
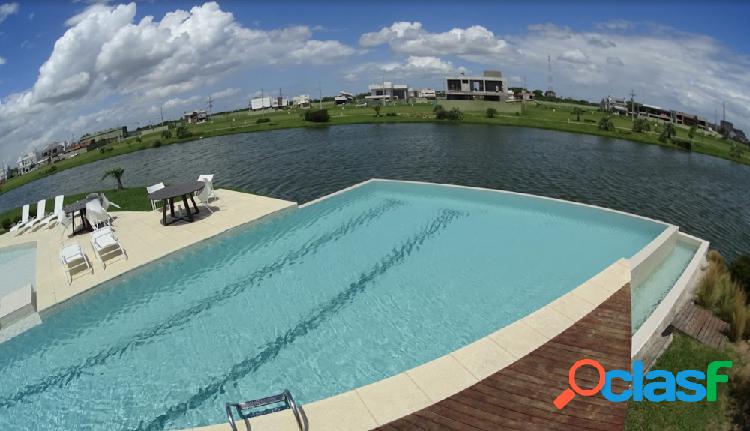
x=285, y=399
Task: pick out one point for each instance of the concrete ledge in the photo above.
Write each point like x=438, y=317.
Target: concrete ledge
x=647, y=341
x=16, y=305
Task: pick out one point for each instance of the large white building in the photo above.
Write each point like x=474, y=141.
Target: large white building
x=490, y=86
x=26, y=163
x=388, y=92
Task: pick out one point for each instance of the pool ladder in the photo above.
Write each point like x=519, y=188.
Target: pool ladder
x=284, y=397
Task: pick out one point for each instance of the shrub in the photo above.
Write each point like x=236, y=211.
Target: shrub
x=691, y=132
x=605, y=123
x=641, y=125
x=491, y=112
x=391, y=114
x=182, y=132
x=740, y=270
x=377, y=110
x=683, y=144
x=262, y=120
x=156, y=144
x=454, y=114
x=735, y=151
x=7, y=223
x=724, y=297
x=166, y=134
x=318, y=116
x=50, y=170
x=739, y=391
x=437, y=108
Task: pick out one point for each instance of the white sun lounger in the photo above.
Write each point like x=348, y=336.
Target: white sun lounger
x=40, y=215
x=73, y=260
x=24, y=219
x=57, y=214
x=106, y=245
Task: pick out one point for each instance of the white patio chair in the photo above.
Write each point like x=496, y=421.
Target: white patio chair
x=152, y=189
x=106, y=245
x=96, y=215
x=40, y=215
x=73, y=259
x=24, y=219
x=106, y=202
x=56, y=214
x=209, y=181
x=204, y=196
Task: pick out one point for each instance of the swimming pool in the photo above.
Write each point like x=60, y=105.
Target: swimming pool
x=338, y=294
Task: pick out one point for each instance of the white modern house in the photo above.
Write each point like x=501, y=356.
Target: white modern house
x=388, y=91
x=26, y=163
x=301, y=101
x=491, y=86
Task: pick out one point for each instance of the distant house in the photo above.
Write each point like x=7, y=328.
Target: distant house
x=343, y=98
x=655, y=112
x=26, y=163
x=522, y=95
x=423, y=93
x=616, y=106
x=388, y=91
x=491, y=86
x=195, y=117
x=301, y=101
x=4, y=173
x=727, y=129
x=550, y=94
x=690, y=120
x=52, y=152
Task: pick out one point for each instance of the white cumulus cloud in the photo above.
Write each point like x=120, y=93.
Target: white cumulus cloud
x=7, y=9
x=106, y=56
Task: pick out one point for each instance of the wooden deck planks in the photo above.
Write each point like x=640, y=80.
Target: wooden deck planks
x=519, y=397
x=701, y=325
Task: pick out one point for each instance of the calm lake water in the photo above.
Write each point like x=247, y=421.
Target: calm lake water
x=705, y=196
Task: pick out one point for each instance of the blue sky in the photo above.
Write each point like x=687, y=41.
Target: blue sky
x=111, y=67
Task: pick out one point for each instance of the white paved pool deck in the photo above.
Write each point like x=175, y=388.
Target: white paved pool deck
x=143, y=238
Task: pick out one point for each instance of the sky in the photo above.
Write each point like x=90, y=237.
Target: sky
x=71, y=67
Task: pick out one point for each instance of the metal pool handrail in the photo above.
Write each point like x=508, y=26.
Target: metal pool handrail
x=285, y=397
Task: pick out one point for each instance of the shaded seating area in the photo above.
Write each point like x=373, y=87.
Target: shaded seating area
x=186, y=192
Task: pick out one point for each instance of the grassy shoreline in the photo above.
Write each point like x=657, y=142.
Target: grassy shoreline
x=549, y=116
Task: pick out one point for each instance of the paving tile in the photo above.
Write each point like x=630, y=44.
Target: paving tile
x=483, y=357
x=393, y=397
x=442, y=377
x=519, y=339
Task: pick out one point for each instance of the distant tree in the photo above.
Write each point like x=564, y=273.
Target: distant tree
x=166, y=134
x=182, y=132
x=491, y=112
x=377, y=110
x=605, y=123
x=454, y=114
x=437, y=108
x=691, y=132
x=115, y=173
x=667, y=132
x=138, y=139
x=641, y=125
x=577, y=112
x=319, y=116
x=735, y=151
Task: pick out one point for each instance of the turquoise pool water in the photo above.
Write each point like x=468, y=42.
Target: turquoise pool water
x=648, y=294
x=319, y=300
x=17, y=267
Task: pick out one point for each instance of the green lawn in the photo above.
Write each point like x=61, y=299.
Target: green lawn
x=129, y=199
x=684, y=354
x=539, y=115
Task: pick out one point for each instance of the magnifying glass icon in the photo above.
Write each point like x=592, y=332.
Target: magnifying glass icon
x=568, y=394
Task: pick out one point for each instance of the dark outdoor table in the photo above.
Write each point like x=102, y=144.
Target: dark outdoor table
x=168, y=194
x=78, y=206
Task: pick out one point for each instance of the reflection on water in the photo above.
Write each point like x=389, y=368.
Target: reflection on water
x=705, y=196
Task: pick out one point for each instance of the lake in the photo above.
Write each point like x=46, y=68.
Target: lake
x=704, y=195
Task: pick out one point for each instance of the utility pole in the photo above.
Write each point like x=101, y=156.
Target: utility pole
x=632, y=104
x=161, y=113
x=320, y=96
x=723, y=111
x=210, y=104
x=549, y=73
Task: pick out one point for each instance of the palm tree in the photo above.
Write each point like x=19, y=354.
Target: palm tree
x=115, y=173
